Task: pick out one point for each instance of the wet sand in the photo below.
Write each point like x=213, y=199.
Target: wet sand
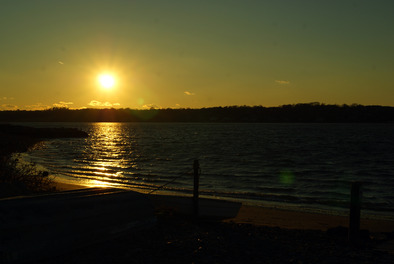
x=61, y=186
x=302, y=220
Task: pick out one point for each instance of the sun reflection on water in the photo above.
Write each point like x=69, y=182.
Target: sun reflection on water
x=105, y=154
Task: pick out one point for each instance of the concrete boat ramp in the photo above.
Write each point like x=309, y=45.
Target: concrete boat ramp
x=33, y=228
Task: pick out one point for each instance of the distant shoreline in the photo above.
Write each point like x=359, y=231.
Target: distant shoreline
x=18, y=138
x=297, y=113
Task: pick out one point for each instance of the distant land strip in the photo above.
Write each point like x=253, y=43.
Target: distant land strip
x=295, y=113
x=15, y=138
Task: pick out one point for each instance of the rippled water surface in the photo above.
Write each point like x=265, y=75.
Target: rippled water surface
x=308, y=166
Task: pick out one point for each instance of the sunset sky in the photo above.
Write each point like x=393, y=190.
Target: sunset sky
x=195, y=53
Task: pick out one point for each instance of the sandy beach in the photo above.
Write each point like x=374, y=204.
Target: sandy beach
x=61, y=186
x=302, y=220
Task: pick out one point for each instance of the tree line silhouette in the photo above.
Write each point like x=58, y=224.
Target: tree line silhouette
x=300, y=113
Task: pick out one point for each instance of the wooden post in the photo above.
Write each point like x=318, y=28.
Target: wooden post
x=196, y=168
x=354, y=216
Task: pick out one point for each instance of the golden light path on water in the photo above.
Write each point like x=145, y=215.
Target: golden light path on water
x=105, y=153
x=108, y=152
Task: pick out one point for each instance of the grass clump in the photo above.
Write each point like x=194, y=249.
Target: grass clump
x=18, y=177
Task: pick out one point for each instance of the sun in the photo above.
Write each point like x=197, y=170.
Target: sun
x=107, y=81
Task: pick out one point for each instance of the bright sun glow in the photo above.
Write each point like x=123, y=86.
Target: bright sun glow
x=106, y=81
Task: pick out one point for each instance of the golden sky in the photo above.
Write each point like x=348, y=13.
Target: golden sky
x=195, y=53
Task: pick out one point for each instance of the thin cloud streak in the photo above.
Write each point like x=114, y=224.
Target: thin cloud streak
x=6, y=98
x=8, y=107
x=37, y=106
x=282, y=82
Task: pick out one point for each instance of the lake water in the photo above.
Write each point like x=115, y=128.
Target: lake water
x=301, y=166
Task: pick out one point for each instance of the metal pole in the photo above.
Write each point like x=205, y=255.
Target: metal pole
x=196, y=168
x=354, y=216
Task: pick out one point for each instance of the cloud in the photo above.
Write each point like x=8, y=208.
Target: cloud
x=96, y=103
x=282, y=82
x=66, y=103
x=37, y=106
x=62, y=104
x=189, y=93
x=60, y=62
x=8, y=107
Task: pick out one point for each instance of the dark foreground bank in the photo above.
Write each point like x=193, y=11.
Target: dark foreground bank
x=179, y=240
